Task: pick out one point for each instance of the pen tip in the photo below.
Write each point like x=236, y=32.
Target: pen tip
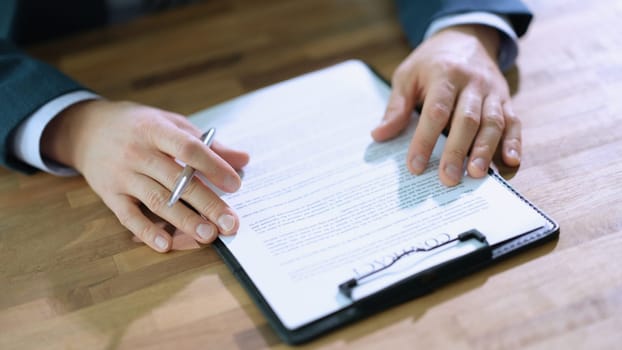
x=171, y=201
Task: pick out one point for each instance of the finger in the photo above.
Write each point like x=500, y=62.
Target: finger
x=155, y=197
x=197, y=195
x=165, y=173
x=184, y=124
x=396, y=116
x=512, y=138
x=130, y=216
x=237, y=159
x=399, y=108
x=464, y=127
x=487, y=140
x=435, y=114
x=213, y=208
x=193, y=152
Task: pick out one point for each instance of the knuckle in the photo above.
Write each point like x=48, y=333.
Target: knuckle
x=457, y=69
x=453, y=67
x=211, y=208
x=448, y=88
x=187, y=223
x=129, y=153
x=479, y=81
x=397, y=74
x=192, y=188
x=174, y=117
x=125, y=218
x=440, y=112
x=466, y=74
x=482, y=148
x=147, y=234
x=401, y=70
x=147, y=125
x=494, y=121
x=470, y=119
x=142, y=126
x=187, y=148
x=457, y=155
x=514, y=142
x=148, y=161
x=155, y=200
x=171, y=178
x=512, y=119
x=394, y=106
x=493, y=114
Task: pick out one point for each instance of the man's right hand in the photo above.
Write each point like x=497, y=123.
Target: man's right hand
x=127, y=153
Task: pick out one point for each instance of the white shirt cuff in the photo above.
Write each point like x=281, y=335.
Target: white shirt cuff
x=27, y=140
x=508, y=50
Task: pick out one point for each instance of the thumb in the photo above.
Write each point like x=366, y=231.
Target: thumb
x=397, y=115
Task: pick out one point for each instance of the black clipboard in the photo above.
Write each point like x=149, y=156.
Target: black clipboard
x=417, y=285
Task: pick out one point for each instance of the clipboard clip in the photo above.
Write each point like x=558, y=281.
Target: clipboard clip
x=348, y=286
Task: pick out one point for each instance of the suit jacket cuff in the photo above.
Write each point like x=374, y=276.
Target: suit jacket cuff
x=417, y=15
x=508, y=48
x=27, y=138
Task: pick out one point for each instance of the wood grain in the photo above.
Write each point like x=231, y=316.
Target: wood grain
x=71, y=276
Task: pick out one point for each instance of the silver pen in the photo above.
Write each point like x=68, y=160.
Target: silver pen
x=186, y=175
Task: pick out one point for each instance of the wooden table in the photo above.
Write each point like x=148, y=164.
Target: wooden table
x=72, y=278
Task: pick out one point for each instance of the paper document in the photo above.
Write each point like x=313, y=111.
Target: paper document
x=321, y=202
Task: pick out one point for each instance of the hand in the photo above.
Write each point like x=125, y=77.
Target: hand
x=455, y=74
x=126, y=153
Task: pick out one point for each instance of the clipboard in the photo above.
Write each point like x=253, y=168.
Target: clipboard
x=413, y=287
x=416, y=285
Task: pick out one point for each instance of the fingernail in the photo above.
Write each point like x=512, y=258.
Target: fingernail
x=231, y=183
x=512, y=153
x=480, y=163
x=161, y=242
x=418, y=163
x=453, y=172
x=205, y=231
x=226, y=222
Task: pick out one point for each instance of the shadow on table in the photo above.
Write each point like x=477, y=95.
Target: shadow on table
x=106, y=288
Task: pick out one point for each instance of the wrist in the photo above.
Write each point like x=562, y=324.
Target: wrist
x=487, y=36
x=61, y=140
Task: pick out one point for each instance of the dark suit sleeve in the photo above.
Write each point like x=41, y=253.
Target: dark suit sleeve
x=417, y=15
x=25, y=85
